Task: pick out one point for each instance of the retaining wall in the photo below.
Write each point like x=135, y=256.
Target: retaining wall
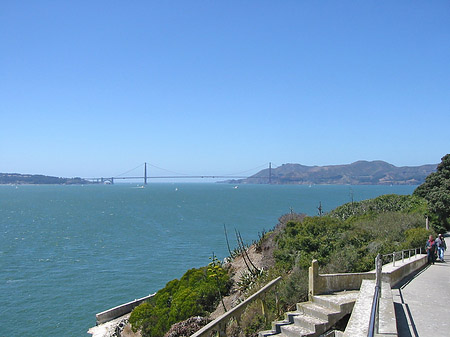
x=327, y=283
x=120, y=310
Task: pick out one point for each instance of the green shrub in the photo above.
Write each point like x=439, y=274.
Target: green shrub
x=195, y=294
x=313, y=238
x=381, y=204
x=416, y=238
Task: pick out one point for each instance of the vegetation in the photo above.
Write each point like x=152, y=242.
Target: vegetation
x=436, y=190
x=345, y=240
x=15, y=178
x=195, y=294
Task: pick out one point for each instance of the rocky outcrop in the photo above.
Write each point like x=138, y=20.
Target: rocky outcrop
x=187, y=327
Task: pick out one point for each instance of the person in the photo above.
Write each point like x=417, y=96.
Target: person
x=441, y=247
x=430, y=247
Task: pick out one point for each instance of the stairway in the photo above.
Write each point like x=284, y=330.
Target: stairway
x=315, y=317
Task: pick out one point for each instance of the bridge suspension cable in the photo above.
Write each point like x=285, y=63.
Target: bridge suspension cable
x=246, y=171
x=239, y=175
x=160, y=168
x=122, y=174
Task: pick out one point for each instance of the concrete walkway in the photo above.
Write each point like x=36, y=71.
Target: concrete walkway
x=422, y=303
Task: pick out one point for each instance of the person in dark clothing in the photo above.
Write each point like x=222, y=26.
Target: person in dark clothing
x=430, y=247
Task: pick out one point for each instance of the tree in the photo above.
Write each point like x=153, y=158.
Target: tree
x=436, y=190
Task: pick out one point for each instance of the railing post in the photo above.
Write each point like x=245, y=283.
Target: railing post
x=222, y=329
x=403, y=256
x=313, y=277
x=264, y=309
x=393, y=259
x=378, y=268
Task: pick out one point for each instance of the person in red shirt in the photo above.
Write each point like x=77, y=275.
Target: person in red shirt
x=430, y=247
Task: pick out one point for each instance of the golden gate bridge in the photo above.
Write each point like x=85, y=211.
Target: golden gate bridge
x=145, y=177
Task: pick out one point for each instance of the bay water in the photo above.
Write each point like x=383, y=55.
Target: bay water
x=69, y=252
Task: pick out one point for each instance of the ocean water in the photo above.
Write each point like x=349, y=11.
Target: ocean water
x=69, y=252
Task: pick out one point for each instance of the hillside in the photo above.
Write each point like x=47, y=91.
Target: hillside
x=34, y=179
x=357, y=173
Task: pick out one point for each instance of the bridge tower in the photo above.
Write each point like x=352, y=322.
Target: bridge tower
x=270, y=173
x=145, y=173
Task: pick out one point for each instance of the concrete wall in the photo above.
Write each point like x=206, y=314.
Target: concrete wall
x=327, y=283
x=391, y=275
x=394, y=274
x=120, y=310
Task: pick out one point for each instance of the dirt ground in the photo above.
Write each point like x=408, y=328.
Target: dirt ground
x=262, y=259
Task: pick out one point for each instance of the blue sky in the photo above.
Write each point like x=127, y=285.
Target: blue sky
x=95, y=88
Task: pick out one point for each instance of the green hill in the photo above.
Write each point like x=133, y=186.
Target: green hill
x=358, y=173
x=35, y=179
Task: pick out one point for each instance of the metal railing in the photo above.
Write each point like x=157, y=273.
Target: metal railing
x=400, y=255
x=373, y=323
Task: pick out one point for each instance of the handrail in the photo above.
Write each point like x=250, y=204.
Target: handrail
x=373, y=324
x=235, y=311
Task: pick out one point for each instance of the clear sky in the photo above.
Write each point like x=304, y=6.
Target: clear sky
x=95, y=88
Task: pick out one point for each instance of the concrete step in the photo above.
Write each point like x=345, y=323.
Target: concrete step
x=342, y=301
x=316, y=310
x=267, y=333
x=315, y=317
x=276, y=326
x=311, y=323
x=295, y=331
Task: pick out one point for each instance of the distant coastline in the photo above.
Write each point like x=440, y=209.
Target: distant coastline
x=358, y=173
x=38, y=179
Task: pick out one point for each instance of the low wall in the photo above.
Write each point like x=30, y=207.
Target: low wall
x=394, y=274
x=120, y=310
x=327, y=283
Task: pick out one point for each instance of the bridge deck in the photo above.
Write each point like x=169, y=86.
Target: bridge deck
x=421, y=304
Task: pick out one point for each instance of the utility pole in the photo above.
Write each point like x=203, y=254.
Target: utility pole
x=320, y=208
x=145, y=173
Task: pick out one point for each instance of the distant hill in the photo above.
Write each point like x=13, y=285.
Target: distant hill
x=358, y=173
x=16, y=178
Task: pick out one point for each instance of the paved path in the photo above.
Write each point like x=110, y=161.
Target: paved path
x=422, y=304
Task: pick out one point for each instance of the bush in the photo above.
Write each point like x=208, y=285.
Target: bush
x=381, y=204
x=313, y=238
x=416, y=237
x=196, y=293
